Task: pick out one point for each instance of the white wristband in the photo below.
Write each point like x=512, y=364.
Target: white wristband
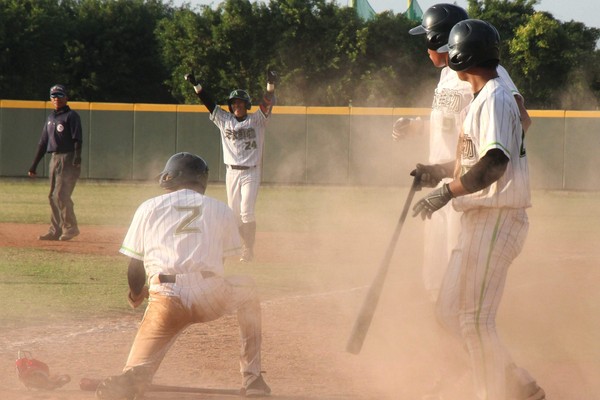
x=270, y=87
x=198, y=88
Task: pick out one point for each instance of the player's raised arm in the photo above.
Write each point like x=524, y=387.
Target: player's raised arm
x=268, y=100
x=204, y=97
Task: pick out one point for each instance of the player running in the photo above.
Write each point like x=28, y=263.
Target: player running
x=490, y=186
x=177, y=243
x=242, y=138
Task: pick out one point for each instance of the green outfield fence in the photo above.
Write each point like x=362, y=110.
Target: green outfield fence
x=304, y=145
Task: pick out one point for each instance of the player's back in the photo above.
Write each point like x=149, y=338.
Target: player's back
x=185, y=230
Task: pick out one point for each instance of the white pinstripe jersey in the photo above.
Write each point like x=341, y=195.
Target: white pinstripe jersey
x=450, y=105
x=493, y=122
x=182, y=232
x=243, y=141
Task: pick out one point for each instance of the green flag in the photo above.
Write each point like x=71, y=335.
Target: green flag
x=414, y=12
x=363, y=9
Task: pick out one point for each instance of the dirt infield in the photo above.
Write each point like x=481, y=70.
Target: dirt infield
x=546, y=320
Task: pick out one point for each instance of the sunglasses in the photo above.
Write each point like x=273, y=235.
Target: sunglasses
x=57, y=95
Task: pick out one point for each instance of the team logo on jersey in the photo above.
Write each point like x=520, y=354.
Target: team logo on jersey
x=467, y=148
x=240, y=134
x=60, y=127
x=448, y=100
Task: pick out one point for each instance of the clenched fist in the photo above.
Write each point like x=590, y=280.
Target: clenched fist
x=191, y=78
x=135, y=300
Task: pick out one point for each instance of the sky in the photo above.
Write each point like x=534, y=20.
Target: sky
x=563, y=10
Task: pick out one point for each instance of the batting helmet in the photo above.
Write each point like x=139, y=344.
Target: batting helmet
x=471, y=43
x=183, y=168
x=239, y=94
x=437, y=22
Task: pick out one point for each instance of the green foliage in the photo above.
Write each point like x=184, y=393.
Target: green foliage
x=542, y=41
x=548, y=60
x=139, y=50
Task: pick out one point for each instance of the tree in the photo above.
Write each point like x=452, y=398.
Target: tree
x=31, y=37
x=549, y=57
x=395, y=69
x=114, y=54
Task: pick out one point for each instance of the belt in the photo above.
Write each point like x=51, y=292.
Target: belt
x=166, y=278
x=240, y=167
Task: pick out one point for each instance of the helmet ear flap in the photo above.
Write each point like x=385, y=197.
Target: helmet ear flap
x=168, y=180
x=183, y=169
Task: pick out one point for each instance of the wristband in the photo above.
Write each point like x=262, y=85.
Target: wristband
x=270, y=87
x=198, y=88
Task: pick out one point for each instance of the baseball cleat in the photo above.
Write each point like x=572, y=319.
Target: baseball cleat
x=118, y=387
x=48, y=236
x=247, y=255
x=68, y=236
x=530, y=392
x=539, y=394
x=256, y=388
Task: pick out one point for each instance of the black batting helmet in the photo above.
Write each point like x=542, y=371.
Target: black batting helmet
x=183, y=168
x=437, y=22
x=471, y=43
x=239, y=94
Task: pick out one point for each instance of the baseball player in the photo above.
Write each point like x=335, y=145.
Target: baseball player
x=490, y=187
x=242, y=138
x=450, y=104
x=177, y=243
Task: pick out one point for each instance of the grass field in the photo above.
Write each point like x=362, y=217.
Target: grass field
x=82, y=282
x=318, y=248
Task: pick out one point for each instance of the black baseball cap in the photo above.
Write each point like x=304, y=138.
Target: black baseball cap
x=58, y=90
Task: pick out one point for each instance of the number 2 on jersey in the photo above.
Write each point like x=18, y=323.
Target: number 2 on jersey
x=250, y=145
x=191, y=214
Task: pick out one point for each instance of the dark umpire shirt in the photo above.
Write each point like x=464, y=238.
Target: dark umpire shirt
x=62, y=130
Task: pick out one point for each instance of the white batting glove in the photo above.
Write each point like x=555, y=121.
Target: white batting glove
x=404, y=127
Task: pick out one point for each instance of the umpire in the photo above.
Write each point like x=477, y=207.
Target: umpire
x=61, y=137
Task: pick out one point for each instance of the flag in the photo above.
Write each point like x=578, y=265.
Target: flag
x=363, y=9
x=414, y=12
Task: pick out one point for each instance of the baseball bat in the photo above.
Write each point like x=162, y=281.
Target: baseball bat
x=365, y=315
x=90, y=385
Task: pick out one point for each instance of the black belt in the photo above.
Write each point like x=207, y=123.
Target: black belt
x=164, y=278
x=239, y=167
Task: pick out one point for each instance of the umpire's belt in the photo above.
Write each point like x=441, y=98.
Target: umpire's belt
x=239, y=166
x=165, y=278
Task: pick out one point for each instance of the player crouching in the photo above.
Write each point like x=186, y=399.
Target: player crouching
x=177, y=243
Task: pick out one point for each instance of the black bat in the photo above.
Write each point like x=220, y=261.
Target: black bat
x=90, y=385
x=365, y=315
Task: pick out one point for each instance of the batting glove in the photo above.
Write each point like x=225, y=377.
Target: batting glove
x=429, y=175
x=405, y=126
x=433, y=202
x=191, y=78
x=272, y=77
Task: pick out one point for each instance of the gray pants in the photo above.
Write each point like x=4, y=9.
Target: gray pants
x=63, y=177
